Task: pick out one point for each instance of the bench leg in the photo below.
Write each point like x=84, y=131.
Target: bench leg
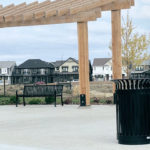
x=62, y=103
x=55, y=98
x=24, y=103
x=16, y=99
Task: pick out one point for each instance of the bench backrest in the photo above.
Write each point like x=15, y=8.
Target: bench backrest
x=42, y=90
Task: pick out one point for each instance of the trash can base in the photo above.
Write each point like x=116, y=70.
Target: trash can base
x=134, y=140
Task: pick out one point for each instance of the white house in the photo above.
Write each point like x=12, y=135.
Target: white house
x=6, y=69
x=102, y=69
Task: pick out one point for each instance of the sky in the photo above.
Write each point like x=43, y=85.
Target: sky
x=59, y=42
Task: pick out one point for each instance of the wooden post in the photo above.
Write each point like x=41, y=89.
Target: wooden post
x=83, y=60
x=116, y=45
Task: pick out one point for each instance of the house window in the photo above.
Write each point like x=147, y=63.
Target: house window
x=47, y=71
x=34, y=71
x=64, y=69
x=26, y=79
x=42, y=71
x=75, y=68
x=25, y=72
x=139, y=68
x=106, y=67
x=57, y=68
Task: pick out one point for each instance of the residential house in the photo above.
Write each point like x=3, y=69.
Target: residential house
x=102, y=69
x=141, y=71
x=6, y=69
x=33, y=71
x=68, y=70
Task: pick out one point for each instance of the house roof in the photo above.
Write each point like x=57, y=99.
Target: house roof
x=35, y=63
x=61, y=62
x=100, y=61
x=7, y=64
x=58, y=63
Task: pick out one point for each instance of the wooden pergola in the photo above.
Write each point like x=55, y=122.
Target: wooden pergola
x=69, y=11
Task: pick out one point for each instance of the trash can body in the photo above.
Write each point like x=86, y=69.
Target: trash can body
x=132, y=99
x=82, y=100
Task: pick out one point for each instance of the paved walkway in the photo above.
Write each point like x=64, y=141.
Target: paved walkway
x=60, y=128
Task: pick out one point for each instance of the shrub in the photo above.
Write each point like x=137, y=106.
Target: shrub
x=108, y=102
x=67, y=101
x=102, y=101
x=4, y=101
x=49, y=100
x=76, y=101
x=35, y=101
x=96, y=100
x=12, y=100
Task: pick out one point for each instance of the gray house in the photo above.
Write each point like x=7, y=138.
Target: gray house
x=6, y=69
x=33, y=71
x=145, y=66
x=142, y=71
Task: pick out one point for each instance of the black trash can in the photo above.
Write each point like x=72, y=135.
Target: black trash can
x=132, y=98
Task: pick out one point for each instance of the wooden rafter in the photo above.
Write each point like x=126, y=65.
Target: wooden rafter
x=58, y=11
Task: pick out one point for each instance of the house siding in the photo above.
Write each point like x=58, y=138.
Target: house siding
x=104, y=72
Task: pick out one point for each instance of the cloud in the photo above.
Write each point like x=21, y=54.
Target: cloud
x=145, y=1
x=15, y=57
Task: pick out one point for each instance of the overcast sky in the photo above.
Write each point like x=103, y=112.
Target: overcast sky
x=58, y=42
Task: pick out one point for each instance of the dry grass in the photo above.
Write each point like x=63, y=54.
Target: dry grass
x=99, y=89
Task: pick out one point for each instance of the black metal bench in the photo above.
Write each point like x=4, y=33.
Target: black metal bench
x=41, y=91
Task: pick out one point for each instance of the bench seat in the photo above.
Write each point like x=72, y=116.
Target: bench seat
x=41, y=91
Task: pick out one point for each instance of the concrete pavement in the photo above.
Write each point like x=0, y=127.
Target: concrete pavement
x=45, y=127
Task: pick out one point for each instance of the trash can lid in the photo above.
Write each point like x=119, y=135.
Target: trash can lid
x=127, y=84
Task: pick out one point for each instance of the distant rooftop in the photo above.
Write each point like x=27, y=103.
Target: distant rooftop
x=35, y=63
x=60, y=62
x=100, y=61
x=7, y=64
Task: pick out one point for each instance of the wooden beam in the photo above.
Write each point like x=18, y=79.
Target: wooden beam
x=83, y=60
x=46, y=21
x=118, y=5
x=50, y=17
x=26, y=9
x=39, y=6
x=13, y=9
x=16, y=15
x=116, y=45
x=56, y=5
x=7, y=8
x=132, y=3
x=89, y=5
